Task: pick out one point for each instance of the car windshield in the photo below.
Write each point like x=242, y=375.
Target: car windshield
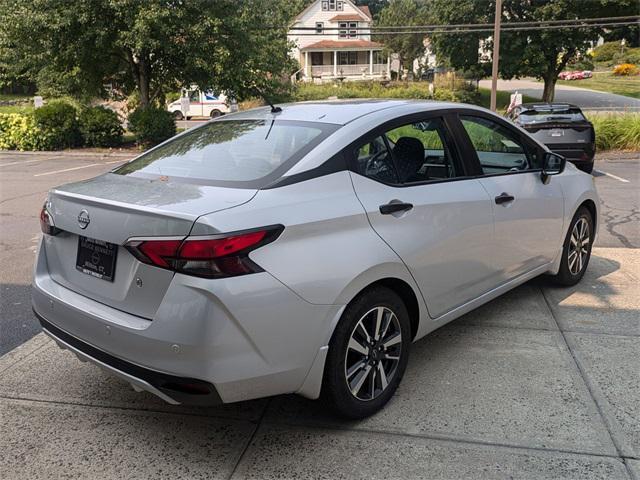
x=541, y=116
x=240, y=153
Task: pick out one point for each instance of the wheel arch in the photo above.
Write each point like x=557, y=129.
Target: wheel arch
x=406, y=292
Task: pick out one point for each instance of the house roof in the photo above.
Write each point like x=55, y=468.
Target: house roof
x=346, y=18
x=342, y=44
x=365, y=10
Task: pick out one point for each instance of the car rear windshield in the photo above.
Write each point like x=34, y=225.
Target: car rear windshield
x=541, y=116
x=237, y=153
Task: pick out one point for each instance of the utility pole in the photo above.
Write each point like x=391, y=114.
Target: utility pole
x=496, y=54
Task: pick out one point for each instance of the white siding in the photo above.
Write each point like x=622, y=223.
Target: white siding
x=315, y=14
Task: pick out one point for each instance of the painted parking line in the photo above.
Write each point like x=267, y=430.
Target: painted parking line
x=67, y=169
x=22, y=162
x=615, y=177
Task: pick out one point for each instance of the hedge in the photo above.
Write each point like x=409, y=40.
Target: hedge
x=152, y=125
x=58, y=125
x=616, y=131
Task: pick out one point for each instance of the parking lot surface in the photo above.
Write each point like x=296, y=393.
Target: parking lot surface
x=541, y=383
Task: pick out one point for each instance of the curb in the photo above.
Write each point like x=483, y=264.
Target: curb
x=72, y=153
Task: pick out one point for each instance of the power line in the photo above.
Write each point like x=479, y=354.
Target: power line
x=631, y=19
x=373, y=31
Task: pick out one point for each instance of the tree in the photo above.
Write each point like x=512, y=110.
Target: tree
x=397, y=13
x=541, y=53
x=153, y=46
x=375, y=6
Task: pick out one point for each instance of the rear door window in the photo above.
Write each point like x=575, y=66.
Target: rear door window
x=242, y=153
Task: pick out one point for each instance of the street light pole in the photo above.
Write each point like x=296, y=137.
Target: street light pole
x=496, y=54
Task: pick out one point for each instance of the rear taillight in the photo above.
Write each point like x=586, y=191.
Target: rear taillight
x=46, y=222
x=211, y=257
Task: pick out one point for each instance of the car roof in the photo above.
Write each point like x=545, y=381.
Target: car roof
x=338, y=112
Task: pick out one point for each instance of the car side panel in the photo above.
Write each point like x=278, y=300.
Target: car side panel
x=327, y=251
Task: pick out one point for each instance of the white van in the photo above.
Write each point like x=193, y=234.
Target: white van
x=201, y=104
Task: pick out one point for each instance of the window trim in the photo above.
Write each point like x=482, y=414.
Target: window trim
x=445, y=115
x=469, y=150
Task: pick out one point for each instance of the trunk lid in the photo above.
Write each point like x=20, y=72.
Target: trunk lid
x=118, y=208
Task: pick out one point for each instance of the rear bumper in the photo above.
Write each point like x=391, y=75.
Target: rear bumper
x=171, y=389
x=581, y=154
x=243, y=337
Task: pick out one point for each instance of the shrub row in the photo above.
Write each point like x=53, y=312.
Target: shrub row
x=617, y=131
x=462, y=92
x=59, y=125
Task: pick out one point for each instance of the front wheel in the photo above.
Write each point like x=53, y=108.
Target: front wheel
x=178, y=115
x=576, y=251
x=215, y=113
x=368, y=354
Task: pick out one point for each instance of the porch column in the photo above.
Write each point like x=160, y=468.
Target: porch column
x=370, y=62
x=335, y=63
x=306, y=64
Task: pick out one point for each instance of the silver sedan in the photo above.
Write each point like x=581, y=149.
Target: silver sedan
x=304, y=248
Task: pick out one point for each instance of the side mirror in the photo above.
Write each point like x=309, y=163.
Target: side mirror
x=553, y=164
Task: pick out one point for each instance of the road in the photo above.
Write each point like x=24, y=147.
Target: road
x=582, y=97
x=26, y=178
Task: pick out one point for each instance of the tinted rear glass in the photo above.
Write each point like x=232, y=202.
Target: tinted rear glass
x=535, y=116
x=240, y=153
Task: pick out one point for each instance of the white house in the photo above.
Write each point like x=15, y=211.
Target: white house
x=338, y=43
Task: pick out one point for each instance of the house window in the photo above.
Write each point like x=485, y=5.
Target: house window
x=378, y=58
x=348, y=30
x=340, y=5
x=332, y=4
x=317, y=58
x=319, y=27
x=347, y=58
x=353, y=32
x=325, y=6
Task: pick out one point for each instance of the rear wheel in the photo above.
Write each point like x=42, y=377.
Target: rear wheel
x=368, y=354
x=215, y=113
x=576, y=251
x=587, y=167
x=178, y=115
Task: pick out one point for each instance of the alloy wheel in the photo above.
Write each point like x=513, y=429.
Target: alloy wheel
x=373, y=353
x=579, y=246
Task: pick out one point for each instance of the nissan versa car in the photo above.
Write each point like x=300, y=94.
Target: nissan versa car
x=561, y=127
x=304, y=248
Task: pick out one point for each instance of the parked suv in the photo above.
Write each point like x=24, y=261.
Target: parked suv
x=561, y=127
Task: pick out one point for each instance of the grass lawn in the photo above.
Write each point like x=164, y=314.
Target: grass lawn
x=18, y=108
x=607, y=82
x=502, y=99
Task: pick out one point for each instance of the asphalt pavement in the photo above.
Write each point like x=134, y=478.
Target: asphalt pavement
x=584, y=98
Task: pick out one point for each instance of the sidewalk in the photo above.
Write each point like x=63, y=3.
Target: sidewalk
x=539, y=384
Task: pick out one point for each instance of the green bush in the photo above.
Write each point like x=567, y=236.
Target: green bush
x=400, y=90
x=151, y=125
x=18, y=131
x=58, y=125
x=100, y=127
x=612, y=53
x=617, y=131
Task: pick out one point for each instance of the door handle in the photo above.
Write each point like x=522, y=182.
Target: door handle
x=393, y=207
x=504, y=198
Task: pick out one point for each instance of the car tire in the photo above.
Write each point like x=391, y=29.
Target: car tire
x=587, y=167
x=215, y=113
x=575, y=254
x=178, y=115
x=359, y=382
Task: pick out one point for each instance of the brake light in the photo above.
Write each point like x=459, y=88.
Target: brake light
x=210, y=257
x=46, y=222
